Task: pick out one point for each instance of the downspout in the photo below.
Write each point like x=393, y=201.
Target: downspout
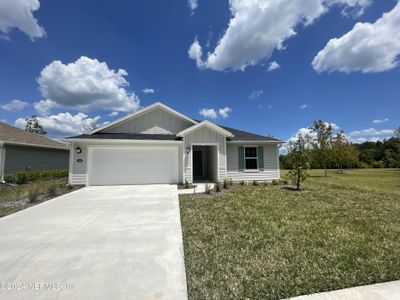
x=2, y=161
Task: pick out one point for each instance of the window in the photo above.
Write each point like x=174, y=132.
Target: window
x=250, y=158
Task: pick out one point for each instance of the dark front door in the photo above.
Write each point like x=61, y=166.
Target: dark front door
x=197, y=163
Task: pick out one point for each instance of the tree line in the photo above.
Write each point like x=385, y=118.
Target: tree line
x=323, y=148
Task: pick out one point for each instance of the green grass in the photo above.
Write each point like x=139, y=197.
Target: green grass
x=13, y=198
x=265, y=242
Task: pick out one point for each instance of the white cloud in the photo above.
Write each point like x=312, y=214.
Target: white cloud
x=353, y=7
x=379, y=121
x=19, y=14
x=44, y=107
x=371, y=131
x=258, y=27
x=113, y=114
x=193, y=4
x=148, y=91
x=195, y=52
x=86, y=85
x=209, y=113
x=63, y=124
x=303, y=106
x=367, y=48
x=273, y=66
x=15, y=105
x=224, y=112
x=256, y=94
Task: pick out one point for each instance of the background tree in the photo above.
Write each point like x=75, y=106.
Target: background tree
x=90, y=126
x=343, y=152
x=298, y=160
x=397, y=132
x=33, y=126
x=322, y=143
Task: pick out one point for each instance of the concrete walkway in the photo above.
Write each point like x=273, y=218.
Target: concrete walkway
x=120, y=242
x=379, y=291
x=199, y=189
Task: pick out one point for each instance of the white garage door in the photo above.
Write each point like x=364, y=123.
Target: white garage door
x=133, y=165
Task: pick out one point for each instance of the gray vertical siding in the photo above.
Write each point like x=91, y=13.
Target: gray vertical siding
x=205, y=135
x=19, y=158
x=271, y=164
x=157, y=121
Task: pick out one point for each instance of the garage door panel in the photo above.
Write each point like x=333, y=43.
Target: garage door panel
x=136, y=165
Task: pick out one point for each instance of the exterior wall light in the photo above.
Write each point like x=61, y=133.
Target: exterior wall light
x=187, y=150
x=78, y=150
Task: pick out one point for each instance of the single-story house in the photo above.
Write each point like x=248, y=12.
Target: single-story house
x=21, y=150
x=160, y=145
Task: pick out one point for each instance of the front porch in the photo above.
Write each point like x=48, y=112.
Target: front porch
x=205, y=163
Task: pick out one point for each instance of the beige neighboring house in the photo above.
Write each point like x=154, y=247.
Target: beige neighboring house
x=21, y=150
x=160, y=145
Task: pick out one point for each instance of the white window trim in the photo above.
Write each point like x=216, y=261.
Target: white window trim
x=244, y=157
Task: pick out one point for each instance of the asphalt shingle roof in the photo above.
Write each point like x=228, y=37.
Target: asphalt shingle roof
x=13, y=135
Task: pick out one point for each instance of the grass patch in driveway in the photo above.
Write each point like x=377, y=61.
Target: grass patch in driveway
x=265, y=242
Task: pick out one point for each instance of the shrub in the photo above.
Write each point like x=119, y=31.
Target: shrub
x=217, y=187
x=225, y=184
x=33, y=192
x=29, y=176
x=241, y=182
x=186, y=185
x=52, y=189
x=208, y=189
x=230, y=181
x=255, y=183
x=21, y=177
x=275, y=182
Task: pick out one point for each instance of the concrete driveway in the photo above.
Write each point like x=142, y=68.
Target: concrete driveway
x=119, y=242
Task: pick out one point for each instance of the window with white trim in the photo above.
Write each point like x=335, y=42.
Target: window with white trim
x=250, y=158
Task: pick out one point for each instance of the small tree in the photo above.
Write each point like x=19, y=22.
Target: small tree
x=298, y=160
x=33, y=126
x=343, y=152
x=322, y=143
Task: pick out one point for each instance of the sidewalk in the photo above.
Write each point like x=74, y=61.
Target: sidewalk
x=379, y=291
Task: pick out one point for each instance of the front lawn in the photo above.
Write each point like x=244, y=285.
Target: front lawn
x=266, y=242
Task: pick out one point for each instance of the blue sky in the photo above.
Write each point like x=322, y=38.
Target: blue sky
x=351, y=81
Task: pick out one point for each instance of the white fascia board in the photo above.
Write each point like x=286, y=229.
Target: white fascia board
x=141, y=112
x=209, y=125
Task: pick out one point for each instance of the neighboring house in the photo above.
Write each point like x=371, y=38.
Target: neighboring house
x=21, y=150
x=160, y=145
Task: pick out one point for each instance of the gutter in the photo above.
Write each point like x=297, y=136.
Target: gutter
x=2, y=143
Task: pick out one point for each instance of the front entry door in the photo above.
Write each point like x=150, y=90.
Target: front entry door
x=197, y=163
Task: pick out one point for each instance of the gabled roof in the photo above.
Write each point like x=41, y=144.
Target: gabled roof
x=15, y=136
x=206, y=124
x=142, y=112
